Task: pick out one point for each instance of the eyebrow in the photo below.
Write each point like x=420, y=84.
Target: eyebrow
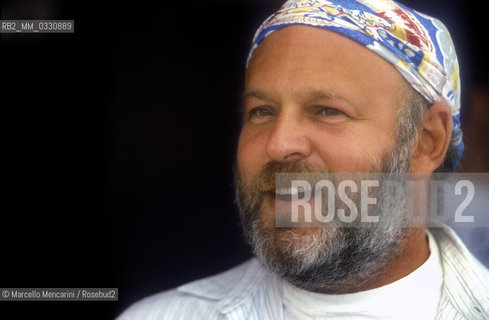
x=254, y=93
x=320, y=94
x=312, y=95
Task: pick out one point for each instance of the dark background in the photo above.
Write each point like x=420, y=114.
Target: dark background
x=119, y=140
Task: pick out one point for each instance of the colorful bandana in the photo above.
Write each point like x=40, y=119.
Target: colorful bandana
x=418, y=45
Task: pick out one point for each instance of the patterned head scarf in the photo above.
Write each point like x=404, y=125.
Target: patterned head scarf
x=418, y=45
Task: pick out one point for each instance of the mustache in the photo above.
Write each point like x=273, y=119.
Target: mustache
x=281, y=174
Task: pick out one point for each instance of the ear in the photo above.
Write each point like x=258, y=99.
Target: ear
x=434, y=136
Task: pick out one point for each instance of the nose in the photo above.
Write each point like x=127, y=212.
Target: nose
x=288, y=140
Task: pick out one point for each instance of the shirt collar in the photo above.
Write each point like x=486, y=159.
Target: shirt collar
x=240, y=289
x=466, y=280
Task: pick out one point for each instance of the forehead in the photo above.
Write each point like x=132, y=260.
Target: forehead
x=297, y=59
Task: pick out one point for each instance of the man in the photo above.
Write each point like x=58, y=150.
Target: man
x=341, y=86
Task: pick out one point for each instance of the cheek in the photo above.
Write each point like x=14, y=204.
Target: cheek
x=251, y=154
x=353, y=150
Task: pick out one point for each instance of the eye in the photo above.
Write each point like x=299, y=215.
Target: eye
x=329, y=112
x=259, y=112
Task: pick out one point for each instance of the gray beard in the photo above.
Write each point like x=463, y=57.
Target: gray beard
x=334, y=258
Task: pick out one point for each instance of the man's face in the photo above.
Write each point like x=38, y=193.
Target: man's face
x=314, y=98
x=317, y=96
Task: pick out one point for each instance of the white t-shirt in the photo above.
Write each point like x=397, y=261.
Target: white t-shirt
x=416, y=296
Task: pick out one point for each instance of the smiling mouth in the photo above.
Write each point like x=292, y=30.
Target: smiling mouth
x=289, y=193
x=284, y=201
